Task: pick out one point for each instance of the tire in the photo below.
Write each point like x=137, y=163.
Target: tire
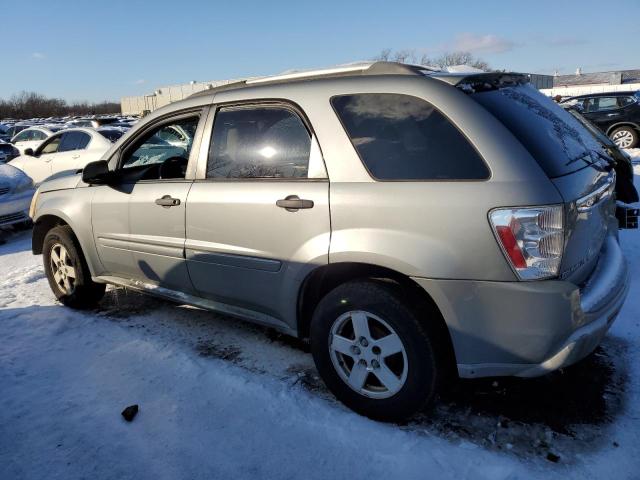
x=62, y=252
x=418, y=368
x=625, y=137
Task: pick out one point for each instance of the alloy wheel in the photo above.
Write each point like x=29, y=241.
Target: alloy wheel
x=64, y=274
x=623, y=138
x=368, y=354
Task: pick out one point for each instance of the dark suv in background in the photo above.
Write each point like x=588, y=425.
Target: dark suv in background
x=616, y=114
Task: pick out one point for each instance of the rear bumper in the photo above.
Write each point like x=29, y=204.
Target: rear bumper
x=15, y=208
x=529, y=329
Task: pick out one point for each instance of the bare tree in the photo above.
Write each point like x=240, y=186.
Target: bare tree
x=34, y=105
x=384, y=55
x=450, y=59
x=447, y=59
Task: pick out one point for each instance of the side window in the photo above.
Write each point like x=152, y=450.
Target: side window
x=258, y=142
x=74, y=141
x=166, y=147
x=606, y=103
x=590, y=105
x=23, y=136
x=38, y=135
x=51, y=145
x=401, y=137
x=624, y=101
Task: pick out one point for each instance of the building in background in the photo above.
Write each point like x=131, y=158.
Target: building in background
x=598, y=82
x=138, y=105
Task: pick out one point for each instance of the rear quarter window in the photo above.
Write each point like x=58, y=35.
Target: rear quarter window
x=401, y=137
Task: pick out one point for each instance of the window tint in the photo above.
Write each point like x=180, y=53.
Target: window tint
x=171, y=156
x=74, y=141
x=400, y=137
x=258, y=142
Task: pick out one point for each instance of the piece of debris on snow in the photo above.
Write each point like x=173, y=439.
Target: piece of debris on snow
x=552, y=457
x=130, y=412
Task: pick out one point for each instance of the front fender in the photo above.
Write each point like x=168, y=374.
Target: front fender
x=71, y=207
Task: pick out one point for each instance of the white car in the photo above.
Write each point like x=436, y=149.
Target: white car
x=16, y=191
x=66, y=150
x=31, y=137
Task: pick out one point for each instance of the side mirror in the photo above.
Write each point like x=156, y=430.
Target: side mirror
x=28, y=152
x=96, y=173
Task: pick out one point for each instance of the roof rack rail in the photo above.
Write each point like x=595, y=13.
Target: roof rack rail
x=358, y=68
x=363, y=68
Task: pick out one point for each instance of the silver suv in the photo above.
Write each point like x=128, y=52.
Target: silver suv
x=413, y=225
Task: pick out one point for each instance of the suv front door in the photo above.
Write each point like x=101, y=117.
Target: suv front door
x=151, y=196
x=258, y=213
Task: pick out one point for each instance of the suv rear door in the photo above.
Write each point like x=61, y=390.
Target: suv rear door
x=257, y=217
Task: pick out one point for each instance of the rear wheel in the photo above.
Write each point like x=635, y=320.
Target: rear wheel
x=373, y=352
x=67, y=270
x=625, y=137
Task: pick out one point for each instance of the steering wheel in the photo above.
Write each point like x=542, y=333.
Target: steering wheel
x=173, y=167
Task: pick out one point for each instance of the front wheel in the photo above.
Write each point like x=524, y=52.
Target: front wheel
x=373, y=351
x=67, y=270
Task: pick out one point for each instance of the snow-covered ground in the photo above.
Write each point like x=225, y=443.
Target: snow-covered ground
x=634, y=153
x=223, y=399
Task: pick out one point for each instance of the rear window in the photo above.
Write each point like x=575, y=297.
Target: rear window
x=401, y=137
x=558, y=142
x=111, y=134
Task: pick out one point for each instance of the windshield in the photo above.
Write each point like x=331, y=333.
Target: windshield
x=559, y=143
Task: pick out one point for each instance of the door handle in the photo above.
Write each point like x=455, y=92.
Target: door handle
x=75, y=157
x=293, y=203
x=167, y=201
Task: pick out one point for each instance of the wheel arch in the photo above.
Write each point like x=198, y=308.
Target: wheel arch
x=45, y=222
x=635, y=126
x=41, y=226
x=325, y=278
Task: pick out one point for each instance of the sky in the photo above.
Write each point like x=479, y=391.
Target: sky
x=103, y=50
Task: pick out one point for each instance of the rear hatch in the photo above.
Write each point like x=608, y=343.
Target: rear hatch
x=576, y=163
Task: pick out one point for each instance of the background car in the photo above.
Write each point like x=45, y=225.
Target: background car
x=7, y=152
x=4, y=135
x=113, y=134
x=92, y=122
x=68, y=149
x=616, y=114
x=625, y=190
x=32, y=137
x=14, y=129
x=16, y=191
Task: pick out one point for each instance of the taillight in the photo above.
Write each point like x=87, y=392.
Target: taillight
x=532, y=239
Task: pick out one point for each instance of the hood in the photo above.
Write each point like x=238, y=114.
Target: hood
x=61, y=181
x=11, y=175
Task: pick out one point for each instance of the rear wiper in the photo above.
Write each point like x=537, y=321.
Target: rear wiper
x=578, y=158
